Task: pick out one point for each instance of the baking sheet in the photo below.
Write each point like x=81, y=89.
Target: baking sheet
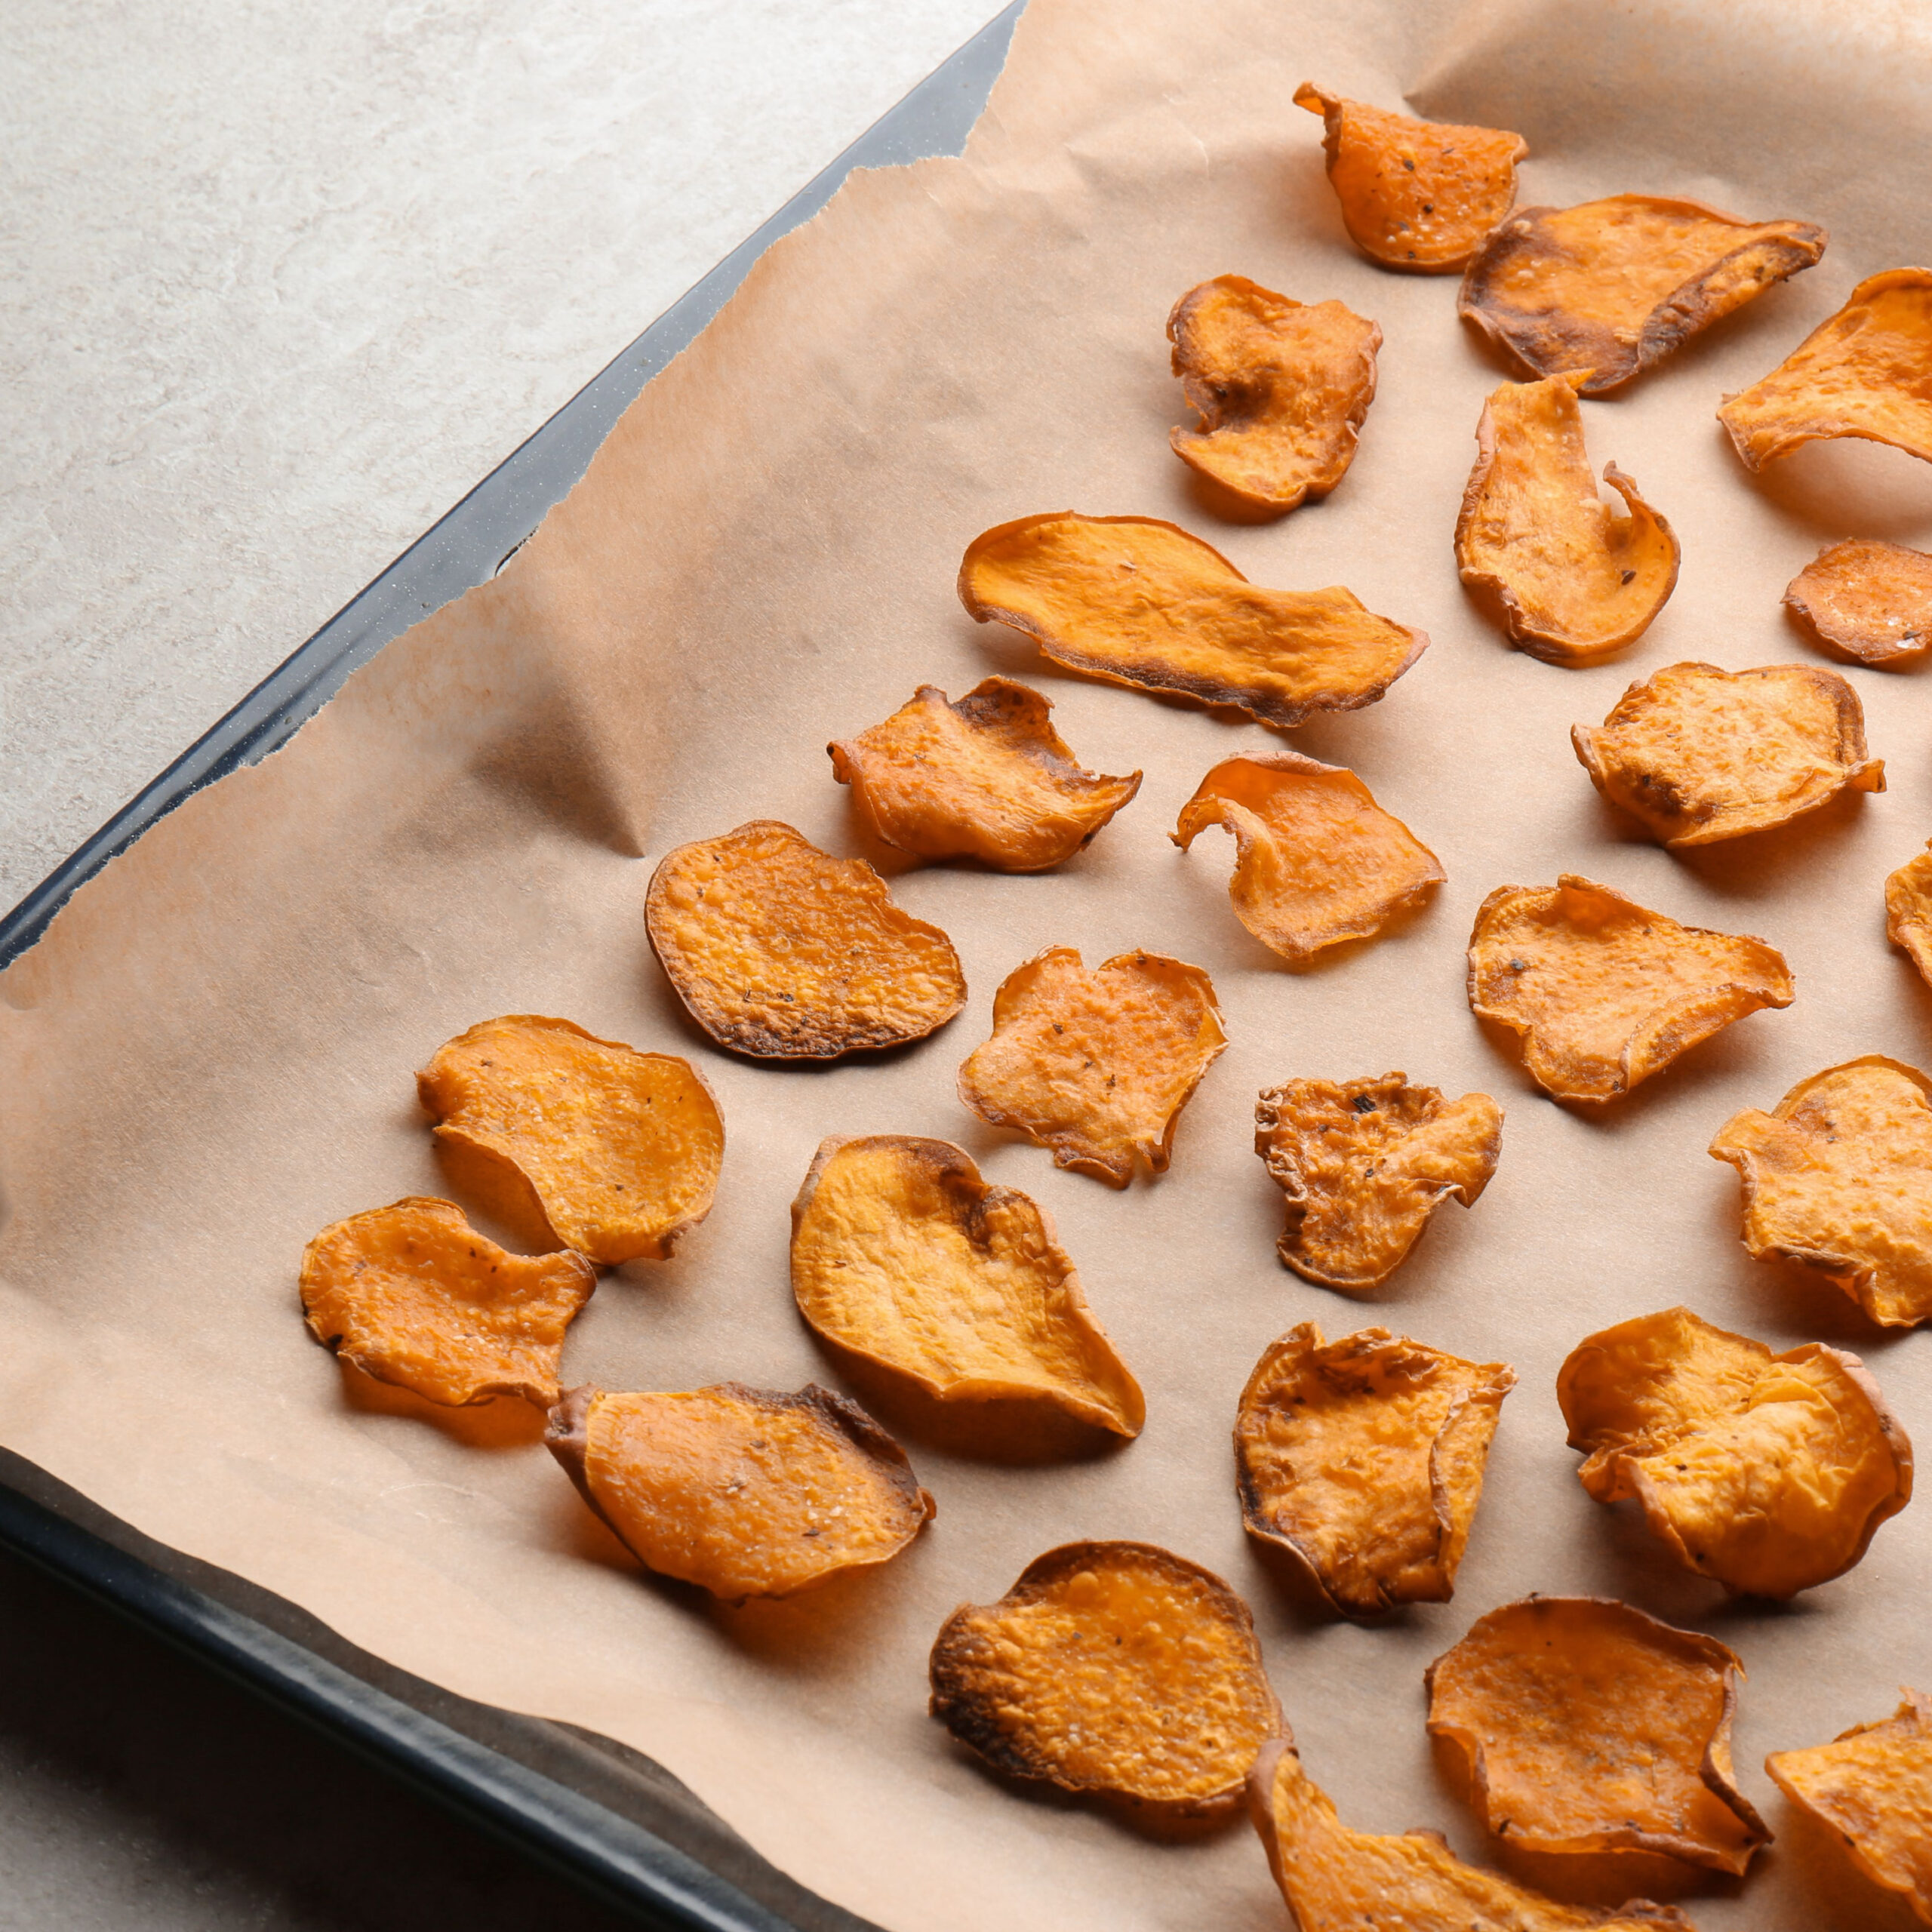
x=208, y=1056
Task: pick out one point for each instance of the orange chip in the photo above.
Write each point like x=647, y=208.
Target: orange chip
x=1281, y=388
x=1137, y=602
x=985, y=778
x=1839, y=1177
x=1698, y=754
x=1415, y=194
x=618, y=1150
x=1364, y=1163
x=744, y=1492
x=1114, y=1667
x=412, y=1294
x=1588, y=1727
x=1599, y=292
x=1908, y=910
x=1604, y=992
x=782, y=951
x=1317, y=860
x=1769, y=1473
x=1572, y=581
x=1365, y=1457
x=1866, y=601
x=901, y=1254
x=1865, y=372
x=1095, y=1065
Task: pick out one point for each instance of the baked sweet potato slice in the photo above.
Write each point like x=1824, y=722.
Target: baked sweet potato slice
x=1136, y=601
x=1697, y=754
x=412, y=1294
x=1605, y=993
x=1866, y=371
x=619, y=1150
x=1865, y=601
x=985, y=776
x=1418, y=196
x=1838, y=1177
x=1362, y=1164
x=1112, y=1667
x=1095, y=1065
x=903, y=1254
x=1573, y=582
x=1281, y=388
x=1909, y=910
x=1586, y=1726
x=1317, y=860
x=744, y=1492
x=1364, y=1457
x=1770, y=1473
x=780, y=951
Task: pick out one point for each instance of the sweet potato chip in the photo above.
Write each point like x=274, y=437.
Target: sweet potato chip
x=1866, y=601
x=411, y=1294
x=1908, y=910
x=1839, y=1177
x=1598, y=293
x=1336, y=1880
x=1873, y=1787
x=782, y=951
x=1095, y=1065
x=744, y=1492
x=1769, y=1473
x=901, y=1254
x=1114, y=1667
x=1317, y=860
x=1365, y=1457
x=984, y=776
x=1280, y=387
x=618, y=1150
x=1865, y=372
x=1415, y=194
x=1604, y=992
x=1589, y=1726
x=1137, y=602
x=1572, y=580
x=1362, y=1165
x=1698, y=754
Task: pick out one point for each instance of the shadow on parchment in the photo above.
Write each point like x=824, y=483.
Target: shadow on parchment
x=1844, y=487
x=504, y=1422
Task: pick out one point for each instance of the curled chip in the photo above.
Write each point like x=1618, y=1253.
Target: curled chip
x=1604, y=992
x=1114, y=1667
x=1588, y=1727
x=1415, y=194
x=1865, y=372
x=1362, y=1164
x=1839, y=1177
x=411, y=1294
x=1095, y=1065
x=1873, y=1787
x=1573, y=581
x=1140, y=602
x=1280, y=387
x=1769, y=1473
x=1365, y=1457
x=1866, y=601
x=744, y=1492
x=1908, y=910
x=1599, y=292
x=1698, y=754
x=984, y=776
x=618, y=1150
x=901, y=1254
x=782, y=951
x=1317, y=860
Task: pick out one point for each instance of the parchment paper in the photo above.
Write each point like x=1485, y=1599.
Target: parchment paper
x=210, y=1055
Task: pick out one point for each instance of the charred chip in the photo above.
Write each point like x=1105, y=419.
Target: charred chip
x=1865, y=601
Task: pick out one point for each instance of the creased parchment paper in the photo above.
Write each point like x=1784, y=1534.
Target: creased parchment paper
x=210, y=1055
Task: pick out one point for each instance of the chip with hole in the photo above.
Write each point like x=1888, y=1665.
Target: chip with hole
x=1866, y=601
x=744, y=1492
x=1908, y=910
x=1586, y=1726
x=901, y=1254
x=1136, y=601
x=1605, y=993
x=1110, y=1667
x=1769, y=1473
